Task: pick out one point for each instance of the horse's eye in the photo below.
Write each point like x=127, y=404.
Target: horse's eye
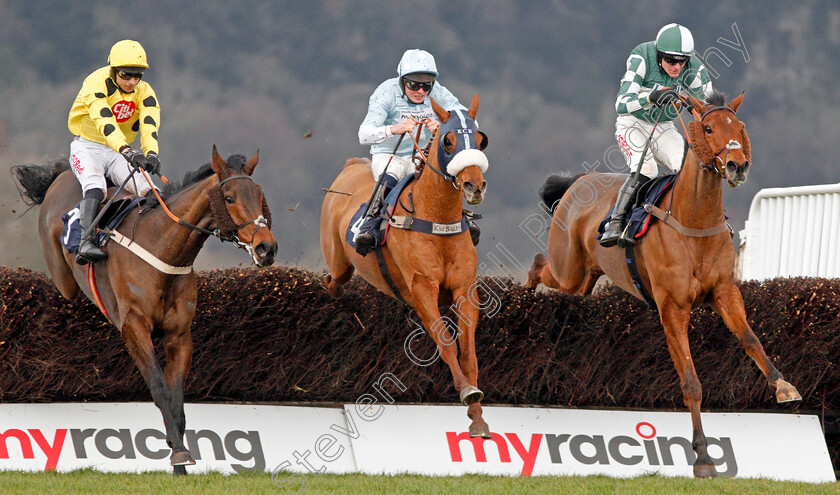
x=229, y=200
x=446, y=142
x=708, y=130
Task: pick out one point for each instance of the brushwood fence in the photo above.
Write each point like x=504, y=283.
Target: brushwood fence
x=274, y=335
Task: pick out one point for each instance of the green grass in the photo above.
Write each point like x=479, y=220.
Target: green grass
x=88, y=481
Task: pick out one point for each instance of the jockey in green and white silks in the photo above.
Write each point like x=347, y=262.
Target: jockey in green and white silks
x=657, y=71
x=395, y=108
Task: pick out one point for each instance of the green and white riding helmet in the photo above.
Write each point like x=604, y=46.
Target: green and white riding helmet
x=674, y=40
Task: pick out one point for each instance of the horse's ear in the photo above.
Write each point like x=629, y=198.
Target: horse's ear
x=442, y=114
x=734, y=104
x=219, y=165
x=473, y=107
x=251, y=164
x=697, y=104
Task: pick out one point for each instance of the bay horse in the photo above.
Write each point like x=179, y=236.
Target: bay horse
x=427, y=271
x=139, y=298
x=679, y=271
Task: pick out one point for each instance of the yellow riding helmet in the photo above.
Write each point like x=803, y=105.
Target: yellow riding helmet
x=127, y=53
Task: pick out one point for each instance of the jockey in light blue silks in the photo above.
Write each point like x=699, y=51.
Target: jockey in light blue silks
x=395, y=108
x=658, y=73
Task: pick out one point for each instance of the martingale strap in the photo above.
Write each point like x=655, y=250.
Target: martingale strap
x=428, y=227
x=95, y=293
x=383, y=268
x=630, y=257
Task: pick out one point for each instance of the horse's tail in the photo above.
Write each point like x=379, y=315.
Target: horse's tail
x=555, y=187
x=34, y=180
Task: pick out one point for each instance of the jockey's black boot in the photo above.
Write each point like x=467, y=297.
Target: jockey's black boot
x=366, y=239
x=614, y=233
x=89, y=251
x=475, y=231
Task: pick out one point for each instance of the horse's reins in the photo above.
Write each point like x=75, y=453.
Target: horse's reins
x=665, y=215
x=260, y=221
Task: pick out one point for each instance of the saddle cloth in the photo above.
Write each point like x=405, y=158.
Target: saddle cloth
x=639, y=219
x=71, y=233
x=381, y=233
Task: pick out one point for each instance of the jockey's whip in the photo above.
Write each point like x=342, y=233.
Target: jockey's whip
x=99, y=215
x=649, y=139
x=378, y=185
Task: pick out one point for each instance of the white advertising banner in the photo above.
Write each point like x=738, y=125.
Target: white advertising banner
x=129, y=437
x=540, y=441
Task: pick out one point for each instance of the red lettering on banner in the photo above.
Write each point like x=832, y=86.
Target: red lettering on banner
x=528, y=456
x=52, y=451
x=22, y=437
x=123, y=110
x=454, y=441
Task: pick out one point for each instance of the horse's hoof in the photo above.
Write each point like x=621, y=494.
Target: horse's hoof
x=181, y=458
x=179, y=470
x=535, y=273
x=333, y=289
x=704, y=471
x=480, y=430
x=470, y=395
x=785, y=392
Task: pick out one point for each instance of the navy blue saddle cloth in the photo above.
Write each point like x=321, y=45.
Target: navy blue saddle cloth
x=381, y=233
x=71, y=233
x=639, y=218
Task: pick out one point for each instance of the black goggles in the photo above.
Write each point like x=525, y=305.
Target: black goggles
x=417, y=86
x=130, y=75
x=674, y=60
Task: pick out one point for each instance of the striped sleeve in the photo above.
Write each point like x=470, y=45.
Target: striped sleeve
x=699, y=83
x=149, y=119
x=629, y=99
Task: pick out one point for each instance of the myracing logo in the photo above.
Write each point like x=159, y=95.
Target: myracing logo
x=125, y=443
x=644, y=448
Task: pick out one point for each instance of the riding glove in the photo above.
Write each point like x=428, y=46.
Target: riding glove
x=663, y=96
x=153, y=166
x=134, y=158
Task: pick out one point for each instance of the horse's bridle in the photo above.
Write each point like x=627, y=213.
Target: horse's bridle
x=229, y=235
x=731, y=145
x=423, y=154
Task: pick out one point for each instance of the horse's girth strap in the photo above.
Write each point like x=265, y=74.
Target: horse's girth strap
x=149, y=257
x=676, y=225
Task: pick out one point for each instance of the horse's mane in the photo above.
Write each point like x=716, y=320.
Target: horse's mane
x=235, y=162
x=717, y=99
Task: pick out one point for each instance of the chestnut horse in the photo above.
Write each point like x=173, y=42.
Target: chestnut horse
x=679, y=271
x=427, y=270
x=139, y=298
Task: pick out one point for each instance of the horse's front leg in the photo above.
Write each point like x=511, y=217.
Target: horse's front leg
x=675, y=322
x=136, y=332
x=425, y=293
x=728, y=303
x=468, y=313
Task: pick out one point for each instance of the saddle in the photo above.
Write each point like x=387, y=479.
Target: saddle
x=639, y=217
x=71, y=233
x=407, y=222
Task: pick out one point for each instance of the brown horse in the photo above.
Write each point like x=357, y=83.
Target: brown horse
x=138, y=297
x=680, y=271
x=428, y=271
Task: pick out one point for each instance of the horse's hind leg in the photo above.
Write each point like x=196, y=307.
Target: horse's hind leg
x=136, y=331
x=60, y=271
x=729, y=304
x=340, y=269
